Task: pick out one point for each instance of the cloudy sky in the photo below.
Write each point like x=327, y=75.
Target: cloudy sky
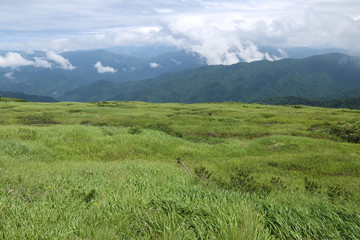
x=221, y=30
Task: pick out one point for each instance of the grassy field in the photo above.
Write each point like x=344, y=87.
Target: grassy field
x=133, y=170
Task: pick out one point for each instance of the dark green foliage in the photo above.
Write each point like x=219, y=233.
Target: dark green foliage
x=6, y=99
x=135, y=130
x=86, y=122
x=74, y=111
x=22, y=97
x=90, y=196
x=41, y=118
x=101, y=124
x=277, y=183
x=345, y=131
x=164, y=127
x=336, y=192
x=312, y=186
x=243, y=181
x=310, y=221
x=202, y=173
x=352, y=102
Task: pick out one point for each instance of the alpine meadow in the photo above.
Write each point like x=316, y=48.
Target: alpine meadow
x=135, y=170
x=180, y=120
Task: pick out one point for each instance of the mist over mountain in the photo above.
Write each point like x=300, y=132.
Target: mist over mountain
x=322, y=77
x=51, y=74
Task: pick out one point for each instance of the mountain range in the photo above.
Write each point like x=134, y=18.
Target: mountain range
x=70, y=70
x=167, y=74
x=321, y=77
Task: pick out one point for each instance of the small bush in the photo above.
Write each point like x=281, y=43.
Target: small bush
x=312, y=186
x=26, y=134
x=90, y=196
x=101, y=124
x=245, y=182
x=202, y=173
x=344, y=131
x=86, y=123
x=278, y=183
x=43, y=118
x=334, y=192
x=164, y=127
x=74, y=110
x=135, y=130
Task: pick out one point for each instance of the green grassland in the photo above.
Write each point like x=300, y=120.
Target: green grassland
x=134, y=170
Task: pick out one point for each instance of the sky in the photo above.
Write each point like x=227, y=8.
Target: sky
x=223, y=31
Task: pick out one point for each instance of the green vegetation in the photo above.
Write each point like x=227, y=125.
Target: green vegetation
x=133, y=170
x=25, y=97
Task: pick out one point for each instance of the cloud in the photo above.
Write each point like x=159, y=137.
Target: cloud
x=14, y=60
x=223, y=31
x=176, y=61
x=42, y=63
x=63, y=62
x=101, y=69
x=163, y=10
x=154, y=65
x=9, y=75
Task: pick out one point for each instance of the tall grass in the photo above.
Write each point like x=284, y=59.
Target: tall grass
x=247, y=172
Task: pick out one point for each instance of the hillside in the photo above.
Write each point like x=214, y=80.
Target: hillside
x=134, y=170
x=29, y=98
x=322, y=77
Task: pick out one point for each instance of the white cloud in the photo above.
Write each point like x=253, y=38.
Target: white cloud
x=176, y=61
x=63, y=62
x=39, y=62
x=154, y=65
x=9, y=75
x=163, y=10
x=101, y=69
x=223, y=31
x=14, y=60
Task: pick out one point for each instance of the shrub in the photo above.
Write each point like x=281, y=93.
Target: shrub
x=345, y=131
x=135, y=130
x=245, y=182
x=164, y=127
x=74, y=110
x=101, y=124
x=312, y=186
x=202, y=173
x=90, y=196
x=43, y=118
x=26, y=134
x=278, y=183
x=334, y=192
x=86, y=123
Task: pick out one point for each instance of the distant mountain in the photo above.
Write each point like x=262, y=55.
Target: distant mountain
x=71, y=70
x=352, y=102
x=143, y=51
x=29, y=98
x=322, y=77
x=299, y=52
